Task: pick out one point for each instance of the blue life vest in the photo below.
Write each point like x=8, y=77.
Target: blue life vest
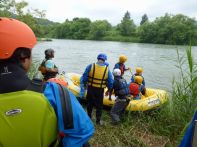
x=120, y=87
x=75, y=127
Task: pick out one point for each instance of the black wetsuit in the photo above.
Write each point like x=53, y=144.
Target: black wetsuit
x=12, y=78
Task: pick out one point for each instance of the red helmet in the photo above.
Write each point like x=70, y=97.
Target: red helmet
x=58, y=81
x=14, y=34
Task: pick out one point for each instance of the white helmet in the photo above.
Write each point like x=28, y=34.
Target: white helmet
x=117, y=72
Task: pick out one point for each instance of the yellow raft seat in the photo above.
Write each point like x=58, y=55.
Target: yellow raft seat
x=152, y=99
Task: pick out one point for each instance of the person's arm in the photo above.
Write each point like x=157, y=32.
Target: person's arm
x=132, y=79
x=143, y=81
x=82, y=88
x=85, y=74
x=116, y=66
x=109, y=92
x=128, y=68
x=110, y=80
x=142, y=89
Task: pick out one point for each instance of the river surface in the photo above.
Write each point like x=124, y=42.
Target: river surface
x=158, y=61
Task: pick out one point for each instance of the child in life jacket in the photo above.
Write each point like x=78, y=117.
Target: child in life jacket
x=120, y=65
x=137, y=88
x=121, y=91
x=139, y=71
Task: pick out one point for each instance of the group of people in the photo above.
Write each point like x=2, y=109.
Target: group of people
x=36, y=113
x=97, y=77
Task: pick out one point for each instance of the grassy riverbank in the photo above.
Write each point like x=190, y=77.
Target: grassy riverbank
x=162, y=127
x=44, y=39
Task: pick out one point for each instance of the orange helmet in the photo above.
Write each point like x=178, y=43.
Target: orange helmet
x=122, y=58
x=14, y=34
x=58, y=81
x=138, y=79
x=139, y=70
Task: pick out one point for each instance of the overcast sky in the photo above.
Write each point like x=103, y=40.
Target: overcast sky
x=112, y=10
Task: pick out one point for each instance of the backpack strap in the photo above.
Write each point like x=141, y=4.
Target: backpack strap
x=67, y=113
x=66, y=117
x=36, y=85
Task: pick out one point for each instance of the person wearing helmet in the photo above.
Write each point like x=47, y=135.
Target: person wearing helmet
x=84, y=87
x=97, y=76
x=137, y=88
x=121, y=91
x=48, y=67
x=120, y=65
x=139, y=71
x=29, y=117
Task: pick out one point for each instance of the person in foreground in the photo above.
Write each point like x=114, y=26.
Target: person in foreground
x=137, y=88
x=48, y=67
x=121, y=91
x=29, y=118
x=120, y=65
x=97, y=76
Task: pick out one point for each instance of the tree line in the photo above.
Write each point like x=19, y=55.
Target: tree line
x=168, y=29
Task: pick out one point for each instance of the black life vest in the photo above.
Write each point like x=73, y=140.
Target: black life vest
x=120, y=87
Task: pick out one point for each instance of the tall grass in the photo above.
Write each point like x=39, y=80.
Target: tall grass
x=33, y=71
x=170, y=122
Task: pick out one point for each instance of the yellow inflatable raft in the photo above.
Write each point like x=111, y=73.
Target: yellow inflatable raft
x=153, y=98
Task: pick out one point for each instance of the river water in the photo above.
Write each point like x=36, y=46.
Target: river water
x=158, y=61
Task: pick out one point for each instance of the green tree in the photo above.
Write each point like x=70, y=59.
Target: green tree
x=144, y=19
x=80, y=28
x=19, y=8
x=169, y=29
x=6, y=8
x=127, y=26
x=13, y=9
x=40, y=13
x=99, y=29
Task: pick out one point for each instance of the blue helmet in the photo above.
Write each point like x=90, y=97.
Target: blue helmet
x=102, y=57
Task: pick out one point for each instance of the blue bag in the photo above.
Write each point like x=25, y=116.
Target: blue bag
x=75, y=127
x=188, y=137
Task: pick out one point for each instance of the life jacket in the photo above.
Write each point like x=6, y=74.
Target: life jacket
x=75, y=127
x=47, y=75
x=27, y=119
x=42, y=67
x=120, y=87
x=134, y=89
x=122, y=68
x=98, y=76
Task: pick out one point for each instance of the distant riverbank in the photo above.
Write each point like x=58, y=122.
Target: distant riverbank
x=44, y=39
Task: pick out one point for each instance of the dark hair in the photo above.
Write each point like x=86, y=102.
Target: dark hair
x=19, y=55
x=48, y=53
